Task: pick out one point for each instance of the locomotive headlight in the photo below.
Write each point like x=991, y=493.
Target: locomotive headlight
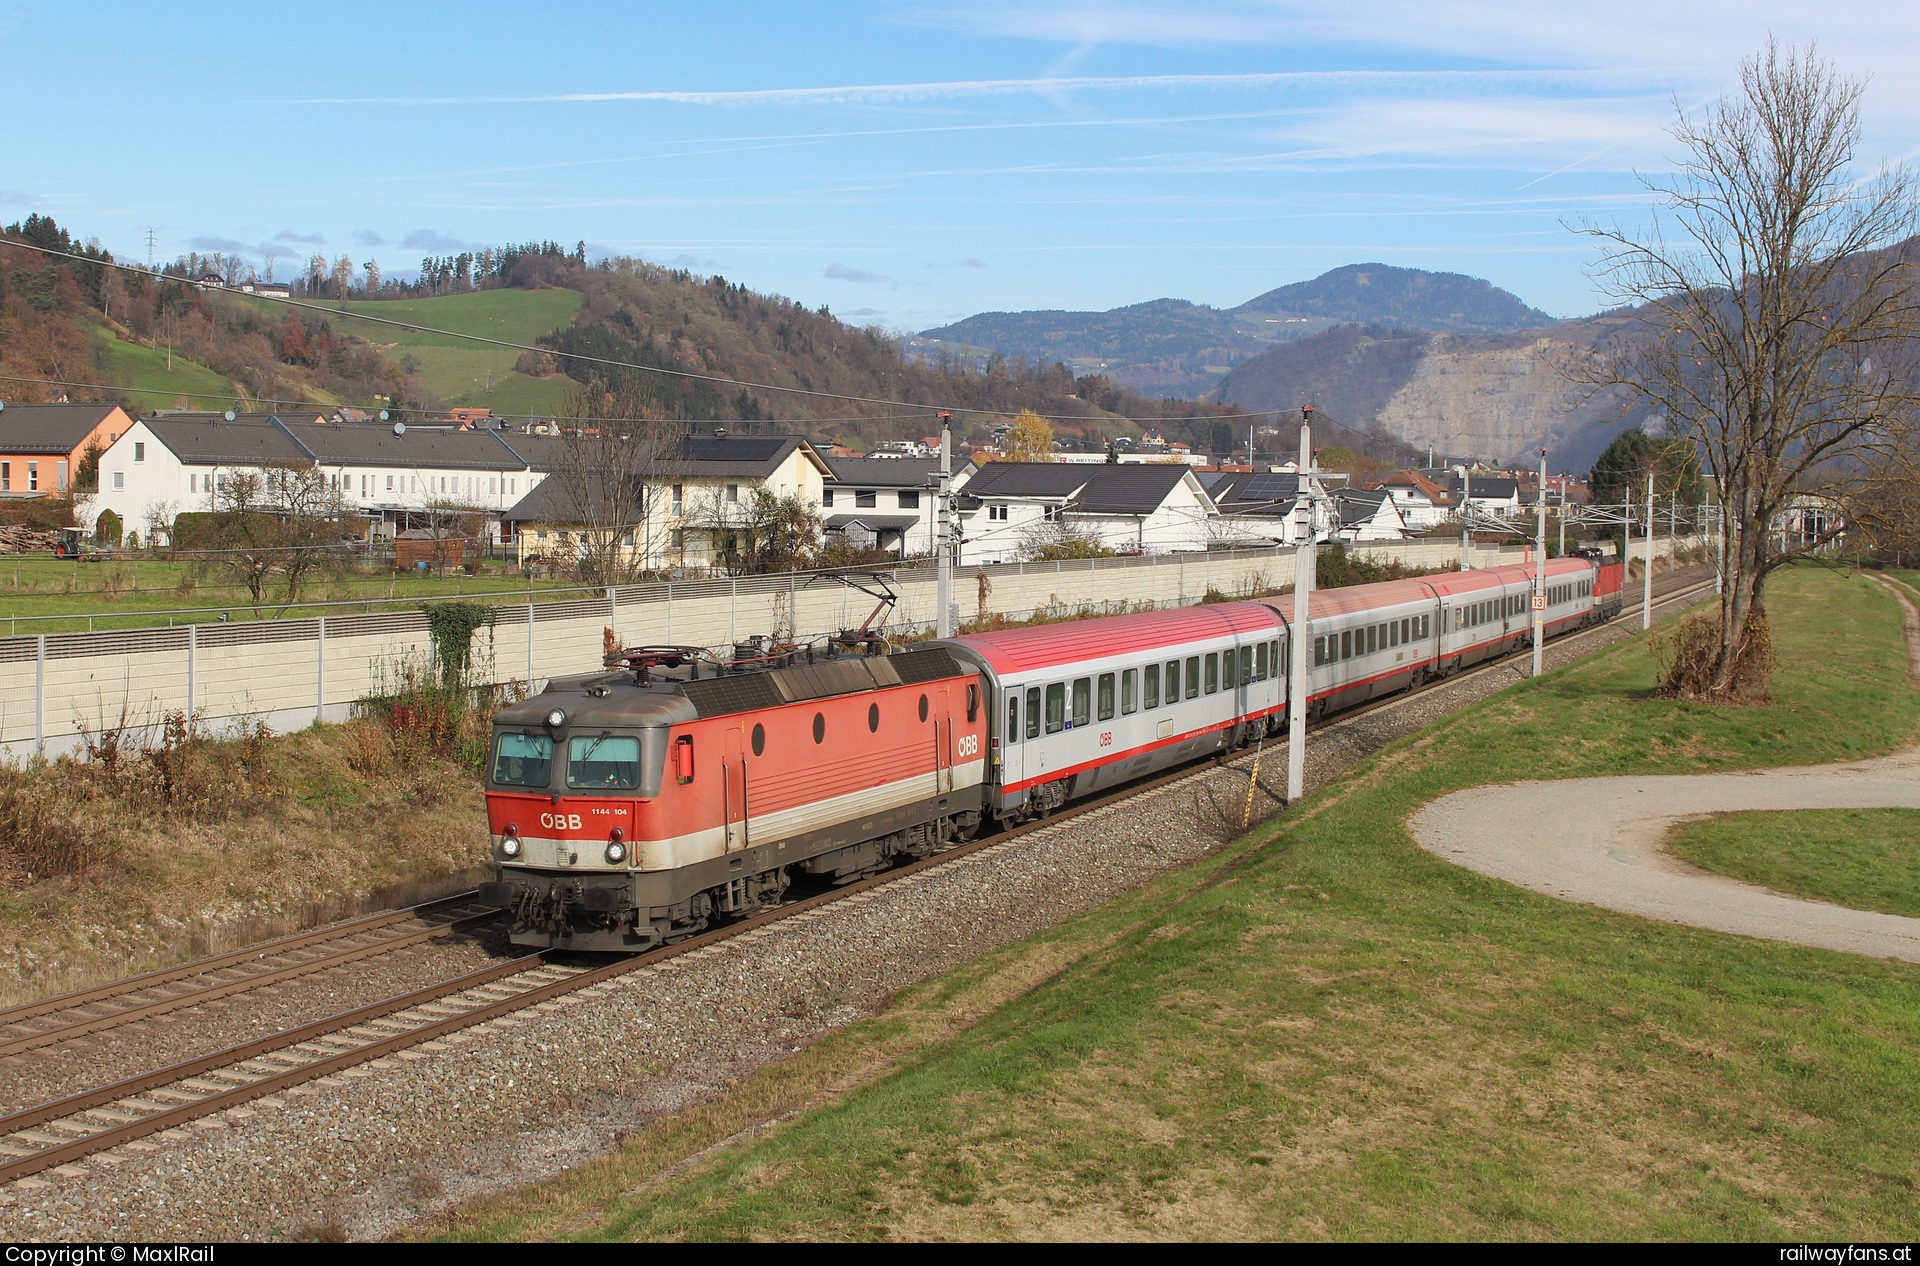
x=510, y=846
x=616, y=852
x=557, y=718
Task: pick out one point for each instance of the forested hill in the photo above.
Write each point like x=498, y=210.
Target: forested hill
x=1409, y=298
x=1172, y=347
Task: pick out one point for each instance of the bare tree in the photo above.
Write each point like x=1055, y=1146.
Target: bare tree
x=1777, y=316
x=613, y=465
x=309, y=507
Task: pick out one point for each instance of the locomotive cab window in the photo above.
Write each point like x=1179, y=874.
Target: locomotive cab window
x=523, y=760
x=1105, y=696
x=1083, y=701
x=1152, y=685
x=1033, y=713
x=606, y=760
x=1056, y=708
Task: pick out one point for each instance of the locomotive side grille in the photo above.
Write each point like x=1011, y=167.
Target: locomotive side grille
x=915, y=667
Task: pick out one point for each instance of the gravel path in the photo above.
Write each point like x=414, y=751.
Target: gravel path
x=523, y=1097
x=1497, y=831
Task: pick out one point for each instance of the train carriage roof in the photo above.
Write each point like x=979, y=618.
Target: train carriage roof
x=1352, y=599
x=1076, y=641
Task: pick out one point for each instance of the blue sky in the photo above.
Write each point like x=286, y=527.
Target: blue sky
x=906, y=164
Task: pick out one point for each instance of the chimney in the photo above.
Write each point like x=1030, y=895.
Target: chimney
x=719, y=432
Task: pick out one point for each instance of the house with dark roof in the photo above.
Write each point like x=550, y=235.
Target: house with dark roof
x=43, y=445
x=888, y=503
x=1424, y=502
x=701, y=504
x=1012, y=510
x=392, y=477
x=1253, y=506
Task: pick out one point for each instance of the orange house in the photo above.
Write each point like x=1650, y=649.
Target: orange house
x=42, y=445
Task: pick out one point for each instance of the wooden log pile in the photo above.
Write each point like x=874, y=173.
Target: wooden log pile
x=15, y=539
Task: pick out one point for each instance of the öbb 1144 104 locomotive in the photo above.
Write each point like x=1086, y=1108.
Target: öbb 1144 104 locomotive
x=637, y=804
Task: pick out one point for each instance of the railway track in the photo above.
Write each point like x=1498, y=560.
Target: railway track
x=61, y=1019
x=55, y=1135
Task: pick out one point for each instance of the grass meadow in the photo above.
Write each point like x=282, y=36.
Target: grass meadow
x=1324, y=1032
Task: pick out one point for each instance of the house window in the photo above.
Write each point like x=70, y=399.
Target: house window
x=6, y=476
x=997, y=514
x=60, y=475
x=626, y=538
x=139, y=451
x=909, y=501
x=1052, y=514
x=864, y=500
x=389, y=483
x=33, y=476
x=679, y=497
x=119, y=481
x=733, y=494
x=826, y=496
x=677, y=538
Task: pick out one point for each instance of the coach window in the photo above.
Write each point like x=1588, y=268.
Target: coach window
x=1013, y=718
x=1246, y=664
x=1104, y=696
x=1129, y=692
x=1393, y=632
x=1319, y=651
x=1056, y=708
x=1152, y=685
x=1213, y=674
x=1346, y=644
x=1083, y=701
x=1193, y=676
x=1260, y=663
x=1033, y=712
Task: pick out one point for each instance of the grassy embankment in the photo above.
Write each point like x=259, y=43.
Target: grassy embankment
x=1324, y=1031
x=459, y=372
x=169, y=845
x=116, y=592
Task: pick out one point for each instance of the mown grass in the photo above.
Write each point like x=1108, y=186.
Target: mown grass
x=116, y=592
x=466, y=373
x=1865, y=858
x=188, y=384
x=1325, y=1032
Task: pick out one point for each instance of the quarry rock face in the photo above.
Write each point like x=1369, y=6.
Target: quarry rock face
x=1468, y=397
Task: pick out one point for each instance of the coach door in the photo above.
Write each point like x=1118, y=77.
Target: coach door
x=734, y=793
x=1012, y=718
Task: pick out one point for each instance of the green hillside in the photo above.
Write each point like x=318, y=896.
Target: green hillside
x=463, y=373
x=145, y=369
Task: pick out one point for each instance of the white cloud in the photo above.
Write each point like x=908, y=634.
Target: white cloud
x=858, y=276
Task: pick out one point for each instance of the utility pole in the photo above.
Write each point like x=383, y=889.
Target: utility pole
x=1466, y=509
x=1646, y=600
x=1540, y=576
x=150, y=241
x=943, y=589
x=1299, y=637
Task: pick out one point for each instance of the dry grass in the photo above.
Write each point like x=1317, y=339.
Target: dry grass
x=169, y=843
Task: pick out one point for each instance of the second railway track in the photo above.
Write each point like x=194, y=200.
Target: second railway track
x=56, y=1134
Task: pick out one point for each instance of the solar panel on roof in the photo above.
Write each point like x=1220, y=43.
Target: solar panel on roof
x=1270, y=487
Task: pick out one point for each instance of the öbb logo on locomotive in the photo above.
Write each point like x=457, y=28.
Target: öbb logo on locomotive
x=687, y=788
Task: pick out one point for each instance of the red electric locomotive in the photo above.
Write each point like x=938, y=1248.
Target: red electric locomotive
x=637, y=804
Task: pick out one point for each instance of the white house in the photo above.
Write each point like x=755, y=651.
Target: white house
x=888, y=503
x=169, y=463
x=1423, y=502
x=1008, y=510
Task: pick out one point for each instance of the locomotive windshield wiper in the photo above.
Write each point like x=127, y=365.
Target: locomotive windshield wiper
x=588, y=754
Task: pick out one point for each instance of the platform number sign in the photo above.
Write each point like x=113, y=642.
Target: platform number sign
x=1539, y=602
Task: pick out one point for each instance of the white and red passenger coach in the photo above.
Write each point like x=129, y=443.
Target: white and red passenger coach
x=634, y=805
